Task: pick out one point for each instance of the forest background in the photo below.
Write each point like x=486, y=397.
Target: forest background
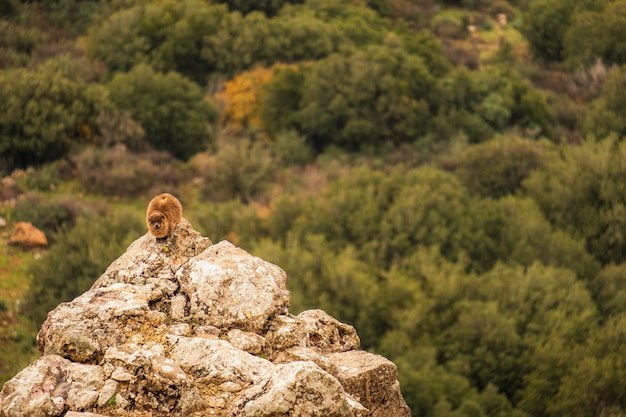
x=446, y=176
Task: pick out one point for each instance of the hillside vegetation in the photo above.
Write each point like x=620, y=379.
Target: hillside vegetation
x=447, y=176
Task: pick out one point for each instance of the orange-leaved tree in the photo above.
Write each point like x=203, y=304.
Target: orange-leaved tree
x=241, y=98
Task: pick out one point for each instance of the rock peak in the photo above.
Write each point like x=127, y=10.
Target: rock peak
x=184, y=327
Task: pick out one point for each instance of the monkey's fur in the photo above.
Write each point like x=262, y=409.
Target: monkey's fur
x=164, y=213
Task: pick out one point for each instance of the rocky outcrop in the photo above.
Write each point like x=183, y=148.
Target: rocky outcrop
x=184, y=327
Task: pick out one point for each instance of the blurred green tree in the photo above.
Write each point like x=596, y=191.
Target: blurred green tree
x=497, y=167
x=526, y=236
x=609, y=290
x=44, y=114
x=171, y=109
x=197, y=39
x=580, y=189
x=241, y=168
x=479, y=104
x=604, y=115
x=596, y=34
x=166, y=35
x=368, y=99
x=545, y=23
x=269, y=7
x=596, y=383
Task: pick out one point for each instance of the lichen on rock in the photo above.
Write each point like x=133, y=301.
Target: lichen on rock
x=184, y=327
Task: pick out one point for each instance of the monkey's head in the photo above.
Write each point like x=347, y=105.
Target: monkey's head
x=158, y=224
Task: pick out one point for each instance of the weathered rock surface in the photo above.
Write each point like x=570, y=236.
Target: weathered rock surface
x=26, y=235
x=183, y=327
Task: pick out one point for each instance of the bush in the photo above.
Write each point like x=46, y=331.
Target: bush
x=44, y=178
x=450, y=26
x=48, y=214
x=580, y=189
x=269, y=7
x=230, y=220
x=498, y=167
x=461, y=54
x=596, y=34
x=79, y=257
x=196, y=38
x=609, y=290
x=171, y=109
x=44, y=115
x=120, y=172
x=545, y=23
x=242, y=168
x=604, y=115
x=369, y=100
x=480, y=104
x=292, y=148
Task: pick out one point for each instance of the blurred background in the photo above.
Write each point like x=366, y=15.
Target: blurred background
x=448, y=176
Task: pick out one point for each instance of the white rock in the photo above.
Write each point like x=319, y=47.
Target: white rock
x=178, y=307
x=297, y=389
x=107, y=392
x=218, y=361
x=228, y=287
x=246, y=341
x=120, y=374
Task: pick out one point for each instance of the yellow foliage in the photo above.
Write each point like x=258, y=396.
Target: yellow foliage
x=241, y=98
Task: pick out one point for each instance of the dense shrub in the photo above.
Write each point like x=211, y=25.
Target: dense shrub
x=609, y=290
x=596, y=383
x=604, y=115
x=49, y=215
x=545, y=23
x=120, y=172
x=17, y=43
x=47, y=177
x=525, y=236
x=596, y=34
x=171, y=109
x=79, y=257
x=389, y=215
x=481, y=104
x=44, y=115
x=498, y=167
x=292, y=148
x=197, y=39
x=450, y=26
x=367, y=100
x=230, y=220
x=580, y=189
x=242, y=168
x=71, y=15
x=269, y=7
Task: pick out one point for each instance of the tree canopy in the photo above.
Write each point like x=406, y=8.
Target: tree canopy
x=446, y=176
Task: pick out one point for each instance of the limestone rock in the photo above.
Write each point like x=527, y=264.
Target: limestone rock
x=49, y=386
x=182, y=327
x=246, y=341
x=228, y=287
x=327, y=333
x=26, y=235
x=299, y=389
x=372, y=380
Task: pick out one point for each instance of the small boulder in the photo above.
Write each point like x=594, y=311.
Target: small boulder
x=28, y=236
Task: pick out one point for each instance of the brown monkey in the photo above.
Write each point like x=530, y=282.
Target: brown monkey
x=164, y=213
